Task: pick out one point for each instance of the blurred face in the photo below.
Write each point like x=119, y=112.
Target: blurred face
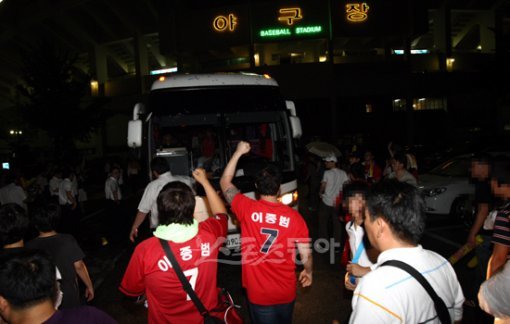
x=116, y=174
x=353, y=159
x=479, y=170
x=500, y=190
x=356, y=205
x=368, y=156
x=396, y=165
x=329, y=164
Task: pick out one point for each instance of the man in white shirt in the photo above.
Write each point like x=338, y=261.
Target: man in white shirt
x=70, y=220
x=331, y=186
x=54, y=185
x=398, y=165
x=162, y=176
x=13, y=192
x=394, y=222
x=113, y=195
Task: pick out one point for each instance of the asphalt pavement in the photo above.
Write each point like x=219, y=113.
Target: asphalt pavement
x=326, y=300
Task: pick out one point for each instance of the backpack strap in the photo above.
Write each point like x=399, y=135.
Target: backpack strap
x=440, y=306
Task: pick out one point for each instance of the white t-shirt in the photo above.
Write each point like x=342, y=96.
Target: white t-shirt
x=111, y=185
x=334, y=179
x=12, y=193
x=406, y=177
x=65, y=186
x=390, y=295
x=356, y=234
x=54, y=185
x=148, y=202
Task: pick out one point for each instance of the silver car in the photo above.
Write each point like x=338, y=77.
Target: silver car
x=446, y=187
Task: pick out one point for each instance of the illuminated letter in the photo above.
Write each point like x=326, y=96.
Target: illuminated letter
x=289, y=15
x=356, y=12
x=222, y=23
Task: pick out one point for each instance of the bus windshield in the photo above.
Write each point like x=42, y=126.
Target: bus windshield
x=192, y=134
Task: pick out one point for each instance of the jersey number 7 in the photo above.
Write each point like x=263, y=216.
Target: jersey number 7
x=272, y=234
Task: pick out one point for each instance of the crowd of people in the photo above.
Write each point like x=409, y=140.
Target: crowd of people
x=372, y=215
x=358, y=204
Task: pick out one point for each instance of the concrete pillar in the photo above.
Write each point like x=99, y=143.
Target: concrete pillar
x=487, y=36
x=99, y=67
x=442, y=35
x=141, y=62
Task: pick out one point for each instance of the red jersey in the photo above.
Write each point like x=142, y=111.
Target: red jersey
x=269, y=233
x=150, y=272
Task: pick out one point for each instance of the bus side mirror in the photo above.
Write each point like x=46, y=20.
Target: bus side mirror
x=134, y=138
x=135, y=127
x=295, y=122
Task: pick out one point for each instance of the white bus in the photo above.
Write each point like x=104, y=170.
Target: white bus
x=196, y=120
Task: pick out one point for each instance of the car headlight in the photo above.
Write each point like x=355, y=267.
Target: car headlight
x=432, y=192
x=289, y=199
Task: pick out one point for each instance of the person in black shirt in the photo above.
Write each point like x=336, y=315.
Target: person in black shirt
x=483, y=202
x=28, y=286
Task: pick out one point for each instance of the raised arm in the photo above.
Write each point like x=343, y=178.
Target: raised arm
x=228, y=188
x=217, y=206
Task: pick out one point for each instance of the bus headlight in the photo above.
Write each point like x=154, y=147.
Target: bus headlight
x=289, y=199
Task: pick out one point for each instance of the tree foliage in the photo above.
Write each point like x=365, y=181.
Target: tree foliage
x=55, y=96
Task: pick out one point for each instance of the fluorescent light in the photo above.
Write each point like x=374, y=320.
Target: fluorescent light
x=162, y=71
x=413, y=51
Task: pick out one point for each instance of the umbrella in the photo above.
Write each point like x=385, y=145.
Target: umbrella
x=323, y=149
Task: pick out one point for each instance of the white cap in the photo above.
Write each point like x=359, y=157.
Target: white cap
x=330, y=158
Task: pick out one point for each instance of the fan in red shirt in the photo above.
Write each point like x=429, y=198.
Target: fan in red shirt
x=195, y=246
x=271, y=231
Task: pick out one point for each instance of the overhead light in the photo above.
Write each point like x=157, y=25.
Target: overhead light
x=94, y=87
x=163, y=71
x=449, y=63
x=413, y=51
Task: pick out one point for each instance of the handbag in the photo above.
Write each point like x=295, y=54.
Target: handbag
x=440, y=306
x=225, y=312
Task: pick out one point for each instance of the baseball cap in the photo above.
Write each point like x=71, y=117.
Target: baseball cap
x=330, y=158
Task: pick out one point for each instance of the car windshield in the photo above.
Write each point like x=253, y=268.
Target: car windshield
x=453, y=168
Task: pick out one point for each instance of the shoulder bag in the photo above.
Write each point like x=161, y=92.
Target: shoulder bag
x=440, y=306
x=226, y=312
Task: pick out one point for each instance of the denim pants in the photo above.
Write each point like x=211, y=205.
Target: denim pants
x=271, y=314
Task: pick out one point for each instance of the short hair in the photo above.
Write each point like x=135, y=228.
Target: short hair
x=357, y=170
x=27, y=278
x=176, y=204
x=14, y=223
x=482, y=157
x=401, y=206
x=46, y=218
x=401, y=157
x=501, y=170
x=268, y=180
x=160, y=165
x=352, y=188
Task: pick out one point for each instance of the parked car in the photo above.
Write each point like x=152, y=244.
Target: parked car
x=447, y=189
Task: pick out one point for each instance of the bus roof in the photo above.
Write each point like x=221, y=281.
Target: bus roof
x=213, y=80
